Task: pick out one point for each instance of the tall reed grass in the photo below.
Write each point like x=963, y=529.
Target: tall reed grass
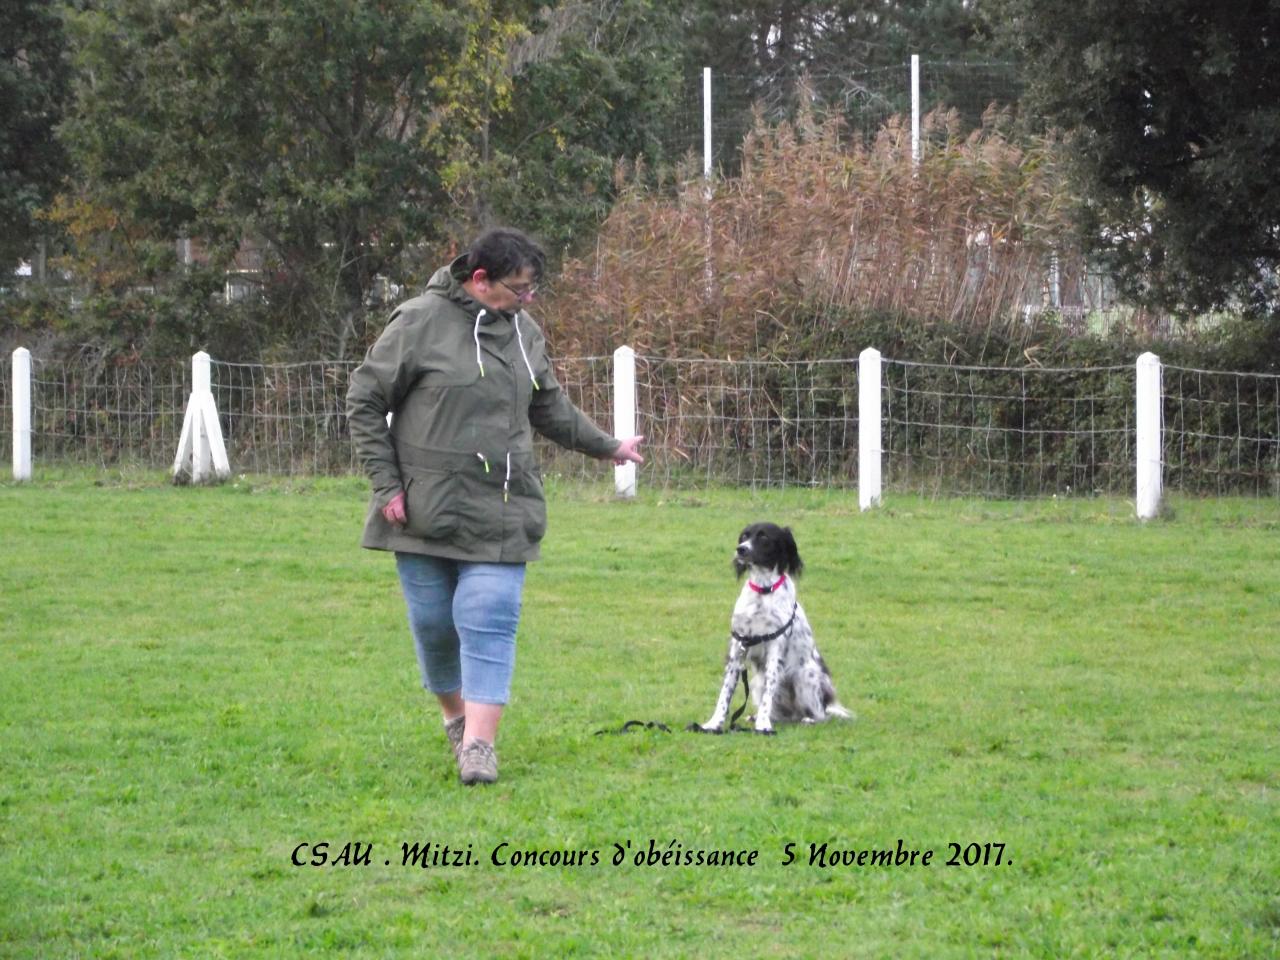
x=817, y=224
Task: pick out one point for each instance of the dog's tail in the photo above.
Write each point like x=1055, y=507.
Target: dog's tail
x=830, y=704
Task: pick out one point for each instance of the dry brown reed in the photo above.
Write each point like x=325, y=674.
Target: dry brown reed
x=818, y=225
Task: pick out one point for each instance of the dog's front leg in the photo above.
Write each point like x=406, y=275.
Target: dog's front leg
x=772, y=671
x=732, y=668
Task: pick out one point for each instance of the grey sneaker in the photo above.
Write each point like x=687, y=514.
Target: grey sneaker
x=453, y=730
x=477, y=763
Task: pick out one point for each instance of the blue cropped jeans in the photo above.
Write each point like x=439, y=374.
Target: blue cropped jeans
x=463, y=617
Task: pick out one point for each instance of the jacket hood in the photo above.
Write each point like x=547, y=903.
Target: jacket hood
x=448, y=282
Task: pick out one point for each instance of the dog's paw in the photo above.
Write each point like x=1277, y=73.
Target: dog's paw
x=703, y=728
x=766, y=731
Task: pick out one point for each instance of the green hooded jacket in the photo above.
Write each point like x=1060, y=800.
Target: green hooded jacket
x=466, y=387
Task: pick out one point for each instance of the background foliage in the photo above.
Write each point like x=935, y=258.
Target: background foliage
x=33, y=87
x=818, y=225
x=323, y=157
x=1174, y=116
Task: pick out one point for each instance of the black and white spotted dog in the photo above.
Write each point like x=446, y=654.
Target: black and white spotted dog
x=770, y=631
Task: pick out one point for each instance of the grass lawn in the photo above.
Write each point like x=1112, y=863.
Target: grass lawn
x=195, y=682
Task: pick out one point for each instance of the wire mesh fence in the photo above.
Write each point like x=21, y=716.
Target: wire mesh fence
x=101, y=414
x=1221, y=432
x=754, y=423
x=864, y=100
x=990, y=432
x=6, y=407
x=286, y=418
x=1008, y=432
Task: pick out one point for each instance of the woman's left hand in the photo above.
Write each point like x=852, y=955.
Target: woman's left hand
x=628, y=452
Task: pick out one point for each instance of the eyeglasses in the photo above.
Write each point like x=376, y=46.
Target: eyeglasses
x=522, y=293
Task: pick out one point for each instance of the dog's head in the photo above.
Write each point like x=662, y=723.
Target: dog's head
x=768, y=546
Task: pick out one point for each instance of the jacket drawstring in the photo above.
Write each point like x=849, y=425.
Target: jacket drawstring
x=476, y=334
x=527, y=365
x=506, y=481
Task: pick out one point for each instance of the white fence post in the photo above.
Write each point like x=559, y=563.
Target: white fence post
x=624, y=415
x=201, y=383
x=201, y=441
x=1149, y=429
x=915, y=109
x=22, y=414
x=869, y=451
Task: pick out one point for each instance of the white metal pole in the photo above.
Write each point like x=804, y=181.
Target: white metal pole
x=706, y=123
x=624, y=415
x=708, y=273
x=869, y=452
x=1149, y=428
x=22, y=414
x=915, y=109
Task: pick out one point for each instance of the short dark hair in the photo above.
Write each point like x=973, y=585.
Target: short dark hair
x=503, y=252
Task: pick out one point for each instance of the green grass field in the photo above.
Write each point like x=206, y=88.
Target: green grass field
x=194, y=682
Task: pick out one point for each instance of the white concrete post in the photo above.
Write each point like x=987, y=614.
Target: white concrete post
x=624, y=415
x=1149, y=429
x=869, y=452
x=22, y=414
x=915, y=109
x=201, y=383
x=201, y=441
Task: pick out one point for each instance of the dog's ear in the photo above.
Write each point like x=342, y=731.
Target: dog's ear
x=795, y=566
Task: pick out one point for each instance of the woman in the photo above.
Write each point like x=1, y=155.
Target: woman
x=457, y=495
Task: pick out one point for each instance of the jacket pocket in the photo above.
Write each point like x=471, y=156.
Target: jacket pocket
x=535, y=505
x=431, y=500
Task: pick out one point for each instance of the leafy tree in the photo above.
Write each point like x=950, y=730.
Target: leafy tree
x=32, y=91
x=318, y=129
x=342, y=138
x=781, y=39
x=1173, y=116
x=592, y=85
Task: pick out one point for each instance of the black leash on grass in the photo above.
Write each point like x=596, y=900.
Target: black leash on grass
x=746, y=641
x=632, y=725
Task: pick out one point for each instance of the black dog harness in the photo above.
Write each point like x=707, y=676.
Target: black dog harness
x=751, y=641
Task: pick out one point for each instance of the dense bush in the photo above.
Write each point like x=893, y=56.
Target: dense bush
x=815, y=225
